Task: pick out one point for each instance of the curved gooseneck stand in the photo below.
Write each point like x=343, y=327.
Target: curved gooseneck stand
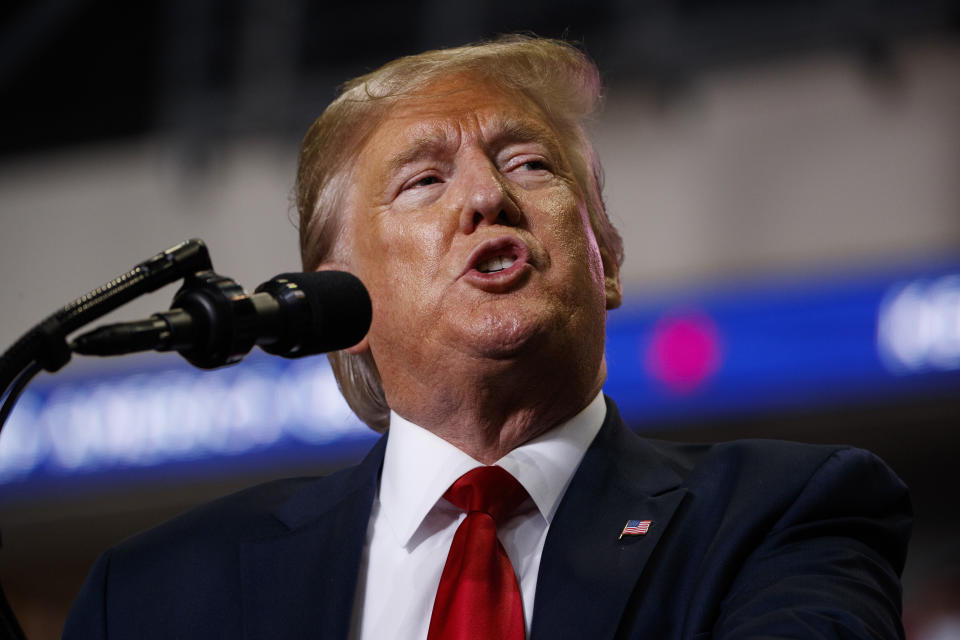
x=212, y=323
x=45, y=346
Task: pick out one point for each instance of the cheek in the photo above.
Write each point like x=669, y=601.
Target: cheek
x=408, y=250
x=573, y=236
x=399, y=260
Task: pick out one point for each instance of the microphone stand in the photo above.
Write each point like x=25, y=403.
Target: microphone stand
x=45, y=346
x=212, y=323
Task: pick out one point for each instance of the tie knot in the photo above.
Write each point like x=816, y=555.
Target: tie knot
x=490, y=490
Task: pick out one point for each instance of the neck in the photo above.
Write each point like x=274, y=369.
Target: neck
x=487, y=416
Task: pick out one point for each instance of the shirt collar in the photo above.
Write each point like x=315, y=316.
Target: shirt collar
x=419, y=466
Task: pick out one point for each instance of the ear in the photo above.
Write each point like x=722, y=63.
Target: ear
x=360, y=348
x=611, y=279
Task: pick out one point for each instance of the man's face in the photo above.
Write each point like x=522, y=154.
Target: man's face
x=469, y=230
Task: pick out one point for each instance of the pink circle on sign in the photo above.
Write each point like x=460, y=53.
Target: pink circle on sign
x=684, y=350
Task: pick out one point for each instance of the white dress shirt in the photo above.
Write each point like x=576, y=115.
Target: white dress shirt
x=412, y=526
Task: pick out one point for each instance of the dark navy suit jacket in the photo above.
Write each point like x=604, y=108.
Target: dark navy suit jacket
x=749, y=539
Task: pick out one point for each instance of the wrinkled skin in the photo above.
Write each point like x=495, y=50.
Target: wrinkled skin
x=455, y=175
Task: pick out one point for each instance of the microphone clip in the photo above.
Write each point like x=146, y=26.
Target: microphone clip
x=212, y=323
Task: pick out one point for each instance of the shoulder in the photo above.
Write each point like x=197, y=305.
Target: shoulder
x=757, y=461
x=750, y=538
x=767, y=482
x=201, y=543
x=767, y=475
x=783, y=472
x=245, y=514
x=259, y=512
x=750, y=460
x=188, y=573
x=785, y=492
x=188, y=564
x=784, y=457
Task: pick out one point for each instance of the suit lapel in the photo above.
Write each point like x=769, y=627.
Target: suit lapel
x=586, y=573
x=301, y=584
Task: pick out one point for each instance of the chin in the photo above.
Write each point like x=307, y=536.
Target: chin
x=501, y=336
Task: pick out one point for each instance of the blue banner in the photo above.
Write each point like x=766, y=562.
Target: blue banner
x=695, y=355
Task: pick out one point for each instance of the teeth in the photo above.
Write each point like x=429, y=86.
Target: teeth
x=499, y=263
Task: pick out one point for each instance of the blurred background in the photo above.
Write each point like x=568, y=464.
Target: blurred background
x=786, y=176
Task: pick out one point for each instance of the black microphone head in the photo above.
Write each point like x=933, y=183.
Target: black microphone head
x=323, y=311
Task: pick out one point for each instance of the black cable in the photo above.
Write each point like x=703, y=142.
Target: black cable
x=16, y=389
x=9, y=627
x=45, y=346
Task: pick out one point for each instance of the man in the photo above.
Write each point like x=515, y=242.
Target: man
x=460, y=187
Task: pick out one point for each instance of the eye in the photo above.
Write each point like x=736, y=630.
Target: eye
x=535, y=165
x=528, y=163
x=422, y=181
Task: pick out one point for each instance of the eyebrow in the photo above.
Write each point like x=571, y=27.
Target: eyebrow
x=432, y=141
x=423, y=146
x=512, y=131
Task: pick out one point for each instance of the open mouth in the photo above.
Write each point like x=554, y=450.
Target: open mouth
x=496, y=264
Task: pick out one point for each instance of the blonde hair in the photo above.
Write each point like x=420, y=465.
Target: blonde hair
x=561, y=80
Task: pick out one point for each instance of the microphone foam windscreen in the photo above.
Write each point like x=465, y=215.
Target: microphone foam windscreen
x=340, y=309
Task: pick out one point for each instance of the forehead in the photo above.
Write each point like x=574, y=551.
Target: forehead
x=444, y=112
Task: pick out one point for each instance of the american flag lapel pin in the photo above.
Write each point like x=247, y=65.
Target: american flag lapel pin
x=635, y=528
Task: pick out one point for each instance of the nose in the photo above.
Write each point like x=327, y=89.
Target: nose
x=488, y=200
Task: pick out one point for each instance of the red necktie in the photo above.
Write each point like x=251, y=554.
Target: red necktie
x=478, y=596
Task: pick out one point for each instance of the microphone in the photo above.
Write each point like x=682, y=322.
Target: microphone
x=213, y=322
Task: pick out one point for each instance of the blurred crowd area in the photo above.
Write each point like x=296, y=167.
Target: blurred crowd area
x=744, y=142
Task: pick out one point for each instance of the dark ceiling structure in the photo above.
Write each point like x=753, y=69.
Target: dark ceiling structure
x=85, y=71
